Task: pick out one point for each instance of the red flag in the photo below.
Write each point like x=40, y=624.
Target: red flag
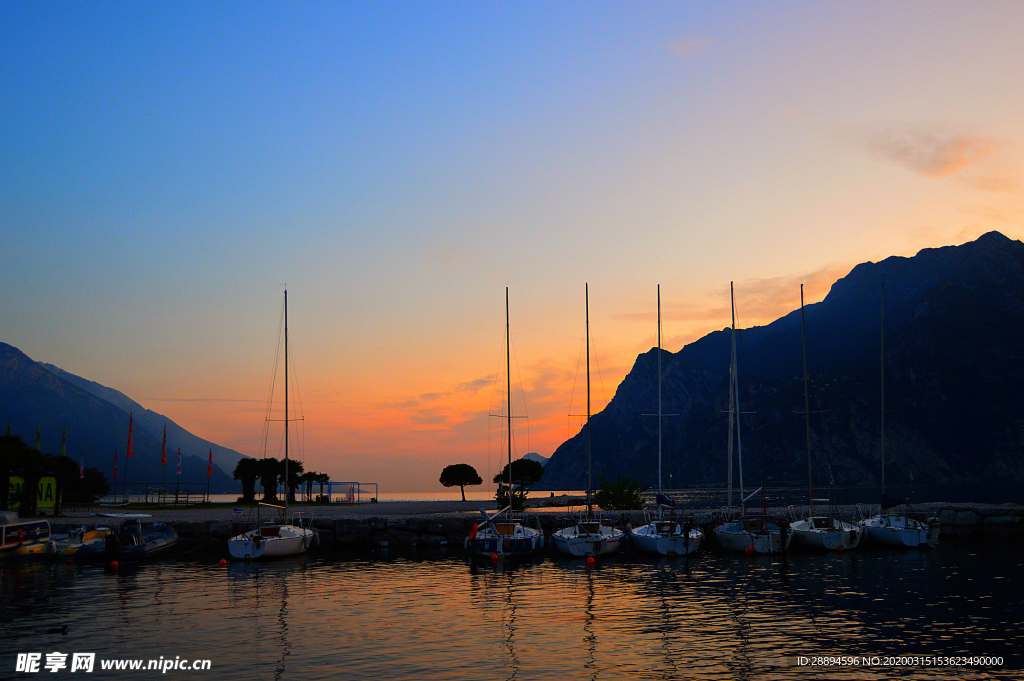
x=131, y=437
x=179, y=460
x=209, y=466
x=115, y=465
x=163, y=449
x=81, y=468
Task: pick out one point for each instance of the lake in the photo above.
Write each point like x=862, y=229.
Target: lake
x=716, y=616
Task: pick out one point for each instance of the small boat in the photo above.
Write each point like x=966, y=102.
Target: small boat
x=24, y=538
x=663, y=536
x=274, y=541
x=895, y=528
x=747, y=534
x=80, y=543
x=588, y=536
x=819, y=531
x=902, y=530
x=135, y=541
x=502, y=534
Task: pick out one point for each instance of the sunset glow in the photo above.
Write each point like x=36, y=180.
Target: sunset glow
x=170, y=169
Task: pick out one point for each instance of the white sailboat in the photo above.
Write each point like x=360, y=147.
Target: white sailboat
x=588, y=536
x=665, y=537
x=819, y=531
x=501, y=535
x=893, y=528
x=276, y=540
x=754, y=534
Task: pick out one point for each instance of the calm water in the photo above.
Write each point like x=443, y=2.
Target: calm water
x=717, y=616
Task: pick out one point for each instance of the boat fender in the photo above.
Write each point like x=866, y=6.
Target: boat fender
x=465, y=544
x=473, y=531
x=533, y=543
x=316, y=539
x=540, y=542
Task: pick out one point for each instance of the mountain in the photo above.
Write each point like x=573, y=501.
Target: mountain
x=954, y=340
x=35, y=395
x=534, y=456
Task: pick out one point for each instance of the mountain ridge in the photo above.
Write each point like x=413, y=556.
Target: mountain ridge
x=954, y=321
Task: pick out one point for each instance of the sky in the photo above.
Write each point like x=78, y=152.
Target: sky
x=168, y=169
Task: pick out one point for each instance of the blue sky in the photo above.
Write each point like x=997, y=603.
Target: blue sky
x=168, y=168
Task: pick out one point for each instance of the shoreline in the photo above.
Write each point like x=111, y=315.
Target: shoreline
x=444, y=525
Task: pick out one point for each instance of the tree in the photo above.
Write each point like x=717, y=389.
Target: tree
x=247, y=470
x=270, y=470
x=525, y=472
x=460, y=475
x=295, y=469
x=625, y=494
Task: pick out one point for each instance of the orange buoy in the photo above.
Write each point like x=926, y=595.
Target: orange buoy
x=494, y=557
x=590, y=561
x=113, y=565
x=223, y=562
x=750, y=550
x=840, y=549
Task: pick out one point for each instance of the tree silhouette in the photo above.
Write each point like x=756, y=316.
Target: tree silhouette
x=459, y=475
x=247, y=470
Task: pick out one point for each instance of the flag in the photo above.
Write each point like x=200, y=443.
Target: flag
x=163, y=448
x=131, y=436
x=179, y=460
x=81, y=468
x=63, y=442
x=209, y=466
x=115, y=465
x=911, y=475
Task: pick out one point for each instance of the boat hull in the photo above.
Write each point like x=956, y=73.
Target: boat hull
x=826, y=534
x=753, y=536
x=572, y=541
x=901, y=531
x=156, y=541
x=506, y=539
x=289, y=540
x=674, y=542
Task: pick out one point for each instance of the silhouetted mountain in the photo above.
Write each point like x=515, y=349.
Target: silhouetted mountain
x=954, y=321
x=534, y=456
x=35, y=395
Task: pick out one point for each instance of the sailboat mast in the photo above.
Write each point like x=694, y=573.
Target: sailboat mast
x=807, y=402
x=659, y=388
x=736, y=394
x=882, y=363
x=732, y=397
x=286, y=401
x=508, y=394
x=586, y=291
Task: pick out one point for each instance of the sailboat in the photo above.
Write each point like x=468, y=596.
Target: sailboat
x=895, y=528
x=500, y=535
x=275, y=540
x=747, y=534
x=665, y=537
x=588, y=536
x=819, y=531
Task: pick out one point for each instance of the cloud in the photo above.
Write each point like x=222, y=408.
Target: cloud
x=690, y=47
x=931, y=153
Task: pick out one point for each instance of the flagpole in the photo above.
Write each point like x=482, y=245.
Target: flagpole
x=128, y=453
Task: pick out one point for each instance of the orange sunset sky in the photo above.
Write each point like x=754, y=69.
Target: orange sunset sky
x=169, y=169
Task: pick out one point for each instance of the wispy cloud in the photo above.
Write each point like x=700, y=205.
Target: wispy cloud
x=690, y=47
x=932, y=153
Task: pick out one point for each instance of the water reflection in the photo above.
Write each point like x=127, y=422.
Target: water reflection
x=714, y=617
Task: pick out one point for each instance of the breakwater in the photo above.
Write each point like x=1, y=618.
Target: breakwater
x=448, y=531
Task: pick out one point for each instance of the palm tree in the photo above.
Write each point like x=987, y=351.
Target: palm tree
x=247, y=470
